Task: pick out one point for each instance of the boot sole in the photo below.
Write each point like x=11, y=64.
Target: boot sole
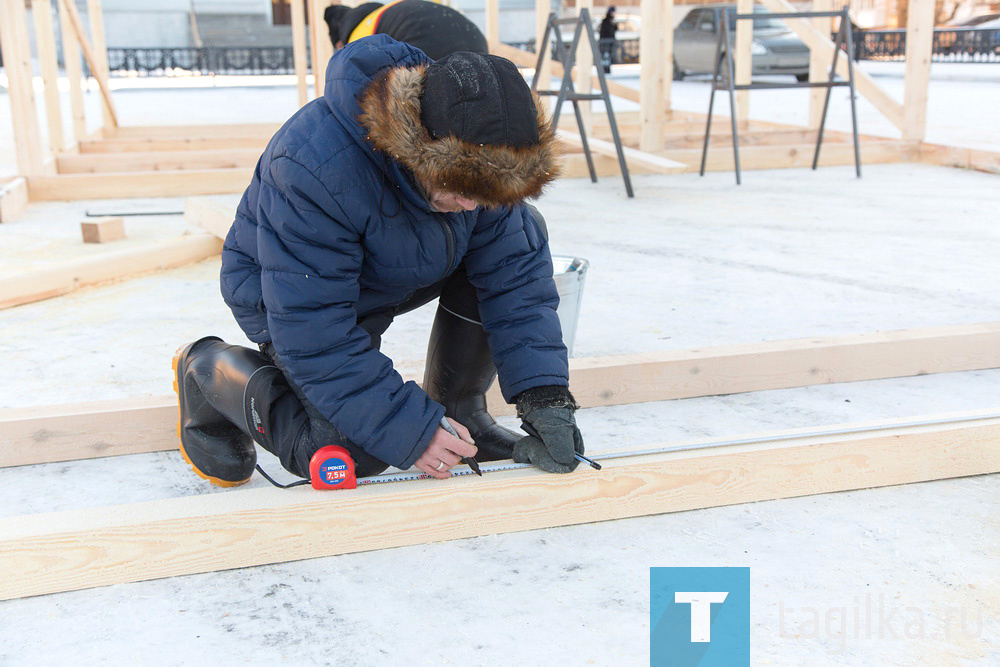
x=214, y=480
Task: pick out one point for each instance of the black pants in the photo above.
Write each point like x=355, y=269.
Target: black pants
x=309, y=431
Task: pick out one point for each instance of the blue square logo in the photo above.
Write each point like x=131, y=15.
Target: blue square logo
x=699, y=616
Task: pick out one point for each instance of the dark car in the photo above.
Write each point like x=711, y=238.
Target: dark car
x=775, y=49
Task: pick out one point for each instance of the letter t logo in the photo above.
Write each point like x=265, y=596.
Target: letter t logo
x=701, y=611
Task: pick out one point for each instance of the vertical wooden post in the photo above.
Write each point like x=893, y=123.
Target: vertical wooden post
x=919, y=43
x=41, y=10
x=99, y=47
x=819, y=65
x=584, y=67
x=742, y=59
x=493, y=22
x=656, y=71
x=88, y=55
x=544, y=76
x=299, y=49
x=319, y=38
x=74, y=74
x=17, y=63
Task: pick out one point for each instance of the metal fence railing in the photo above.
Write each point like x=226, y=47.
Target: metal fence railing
x=973, y=45
x=950, y=45
x=203, y=61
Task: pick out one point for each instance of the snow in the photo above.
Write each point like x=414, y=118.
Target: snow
x=690, y=262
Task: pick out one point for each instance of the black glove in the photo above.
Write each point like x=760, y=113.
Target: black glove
x=547, y=416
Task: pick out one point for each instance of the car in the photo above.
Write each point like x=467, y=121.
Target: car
x=775, y=49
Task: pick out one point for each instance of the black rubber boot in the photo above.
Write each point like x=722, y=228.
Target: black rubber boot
x=458, y=373
x=221, y=415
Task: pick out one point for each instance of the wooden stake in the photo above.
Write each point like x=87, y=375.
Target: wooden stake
x=78, y=549
x=742, y=59
x=656, y=72
x=819, y=65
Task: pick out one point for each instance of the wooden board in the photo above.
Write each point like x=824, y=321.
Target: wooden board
x=160, y=144
x=35, y=285
x=115, y=185
x=962, y=158
x=212, y=215
x=170, y=160
x=79, y=549
x=13, y=199
x=651, y=161
x=125, y=426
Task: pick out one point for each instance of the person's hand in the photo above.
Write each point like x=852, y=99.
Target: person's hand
x=445, y=451
x=554, y=441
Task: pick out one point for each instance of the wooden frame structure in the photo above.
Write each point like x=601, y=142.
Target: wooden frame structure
x=121, y=161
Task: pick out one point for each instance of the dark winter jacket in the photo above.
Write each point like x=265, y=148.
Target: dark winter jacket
x=437, y=30
x=331, y=230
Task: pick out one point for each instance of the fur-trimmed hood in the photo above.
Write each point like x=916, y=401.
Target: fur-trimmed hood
x=491, y=175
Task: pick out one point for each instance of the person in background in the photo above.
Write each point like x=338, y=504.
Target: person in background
x=606, y=38
x=435, y=29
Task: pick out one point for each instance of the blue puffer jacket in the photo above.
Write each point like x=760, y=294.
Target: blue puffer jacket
x=331, y=230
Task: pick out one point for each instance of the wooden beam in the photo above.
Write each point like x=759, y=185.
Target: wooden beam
x=79, y=549
x=155, y=145
x=37, y=284
x=526, y=59
x=41, y=10
x=128, y=426
x=800, y=155
x=13, y=199
x=100, y=48
x=656, y=74
x=823, y=45
x=742, y=59
x=492, y=21
x=963, y=158
x=238, y=130
x=69, y=187
x=819, y=65
x=212, y=215
x=92, y=60
x=919, y=42
x=92, y=163
x=16, y=54
x=655, y=163
x=544, y=76
x=73, y=67
x=300, y=50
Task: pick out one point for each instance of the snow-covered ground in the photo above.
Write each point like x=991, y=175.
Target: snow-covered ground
x=689, y=262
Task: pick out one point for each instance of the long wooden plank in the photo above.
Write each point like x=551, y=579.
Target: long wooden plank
x=212, y=215
x=236, y=130
x=655, y=163
x=16, y=54
x=817, y=41
x=35, y=285
x=93, y=62
x=13, y=199
x=41, y=10
x=158, y=145
x=919, y=47
x=752, y=157
x=127, y=426
x=73, y=67
x=116, y=185
x=78, y=549
x=963, y=158
x=92, y=163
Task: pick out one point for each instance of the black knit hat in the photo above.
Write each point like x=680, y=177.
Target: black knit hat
x=480, y=99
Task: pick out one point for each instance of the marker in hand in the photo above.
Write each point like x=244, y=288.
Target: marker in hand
x=468, y=460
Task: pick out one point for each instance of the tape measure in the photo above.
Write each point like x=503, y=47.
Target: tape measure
x=332, y=467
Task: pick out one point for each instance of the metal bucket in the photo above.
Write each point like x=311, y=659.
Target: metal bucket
x=570, y=274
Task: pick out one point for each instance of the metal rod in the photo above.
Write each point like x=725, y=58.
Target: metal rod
x=845, y=22
x=732, y=96
x=826, y=99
